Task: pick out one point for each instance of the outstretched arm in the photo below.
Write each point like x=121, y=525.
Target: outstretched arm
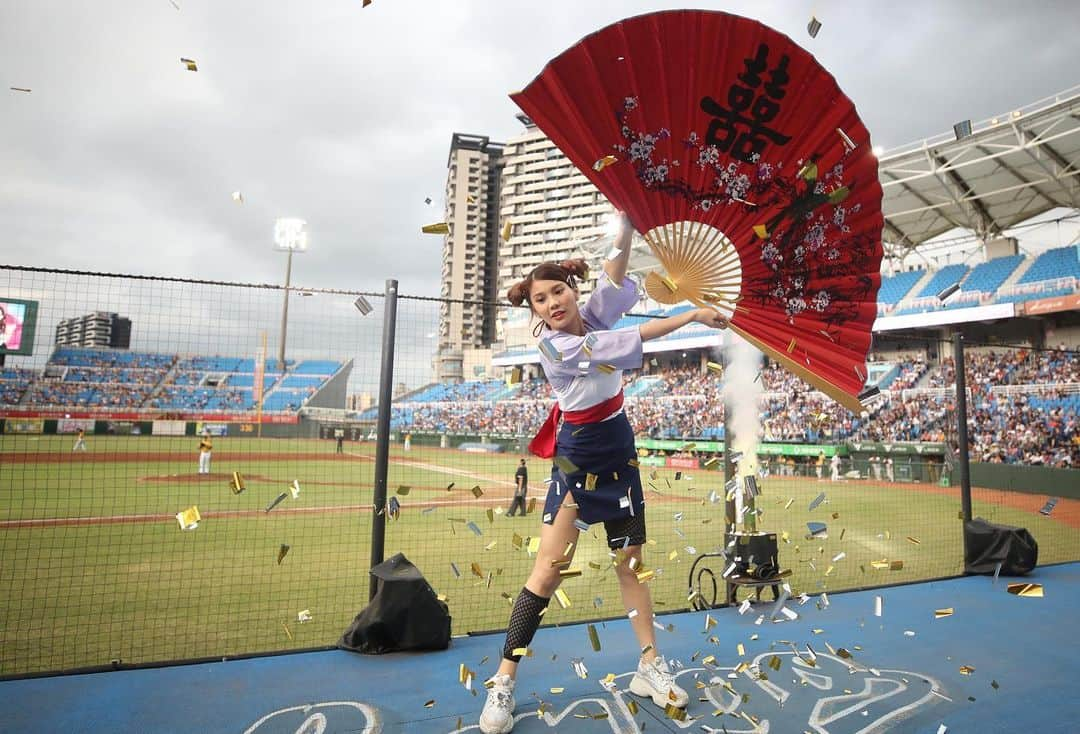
x=616, y=267
x=656, y=328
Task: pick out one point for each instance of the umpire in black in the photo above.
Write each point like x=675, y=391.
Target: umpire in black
x=521, y=480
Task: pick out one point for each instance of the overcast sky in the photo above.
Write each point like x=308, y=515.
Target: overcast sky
x=122, y=160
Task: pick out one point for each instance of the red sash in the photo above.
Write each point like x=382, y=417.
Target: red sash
x=543, y=444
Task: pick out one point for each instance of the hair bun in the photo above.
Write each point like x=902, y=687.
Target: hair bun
x=516, y=294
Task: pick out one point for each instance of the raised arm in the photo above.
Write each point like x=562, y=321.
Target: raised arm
x=656, y=328
x=616, y=267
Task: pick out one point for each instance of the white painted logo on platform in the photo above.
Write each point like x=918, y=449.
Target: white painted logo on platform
x=317, y=718
x=833, y=696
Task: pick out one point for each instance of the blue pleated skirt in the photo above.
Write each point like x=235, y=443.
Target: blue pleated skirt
x=605, y=451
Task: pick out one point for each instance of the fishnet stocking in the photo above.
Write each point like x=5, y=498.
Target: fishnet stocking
x=524, y=619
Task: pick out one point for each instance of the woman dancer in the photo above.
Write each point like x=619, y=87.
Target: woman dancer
x=595, y=477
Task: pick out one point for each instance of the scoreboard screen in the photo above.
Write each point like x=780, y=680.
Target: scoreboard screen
x=18, y=320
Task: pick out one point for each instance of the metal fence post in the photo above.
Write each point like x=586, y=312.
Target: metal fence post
x=962, y=430
x=382, y=446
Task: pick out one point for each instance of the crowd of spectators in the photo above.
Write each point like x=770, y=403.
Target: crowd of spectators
x=148, y=376
x=201, y=398
x=684, y=402
x=87, y=395
x=1026, y=430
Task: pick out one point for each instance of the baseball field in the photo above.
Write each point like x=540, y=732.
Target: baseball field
x=102, y=571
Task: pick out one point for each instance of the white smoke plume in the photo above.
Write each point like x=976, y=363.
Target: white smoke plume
x=742, y=395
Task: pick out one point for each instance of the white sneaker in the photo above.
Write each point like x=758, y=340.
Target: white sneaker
x=498, y=714
x=655, y=680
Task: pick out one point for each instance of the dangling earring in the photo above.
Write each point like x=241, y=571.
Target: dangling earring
x=538, y=329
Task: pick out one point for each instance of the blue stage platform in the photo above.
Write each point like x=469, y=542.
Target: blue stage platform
x=895, y=681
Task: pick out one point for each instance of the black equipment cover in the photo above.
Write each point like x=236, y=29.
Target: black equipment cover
x=988, y=544
x=404, y=614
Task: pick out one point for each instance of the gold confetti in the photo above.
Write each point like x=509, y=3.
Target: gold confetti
x=238, y=197
x=287, y=630
x=429, y=704
x=896, y=565
x=437, y=228
x=674, y=712
x=669, y=283
x=282, y=551
x=22, y=89
x=718, y=369
x=761, y=231
x=590, y=482
x=491, y=545
x=524, y=652
x=1022, y=589
x=562, y=598
x=946, y=612
x=607, y=369
x=791, y=346
x=565, y=465
x=741, y=650
x=237, y=483
x=477, y=492
x=774, y=662
x=594, y=638
x=915, y=541
x=604, y=162
x=189, y=518
x=532, y=506
x=556, y=690
x=189, y=64
x=477, y=571
x=506, y=230
x=966, y=670
x=569, y=573
x=645, y=576
x=632, y=706
x=404, y=490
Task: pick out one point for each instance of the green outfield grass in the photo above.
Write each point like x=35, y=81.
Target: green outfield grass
x=132, y=586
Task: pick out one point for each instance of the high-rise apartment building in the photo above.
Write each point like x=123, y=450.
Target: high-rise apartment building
x=98, y=329
x=553, y=210
x=470, y=251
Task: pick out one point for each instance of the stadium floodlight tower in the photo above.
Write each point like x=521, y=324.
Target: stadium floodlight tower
x=290, y=235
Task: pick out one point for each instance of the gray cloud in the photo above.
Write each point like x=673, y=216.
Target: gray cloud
x=121, y=160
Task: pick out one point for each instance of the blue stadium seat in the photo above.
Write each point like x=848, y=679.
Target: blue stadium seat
x=1062, y=262
x=942, y=279
x=987, y=277
x=895, y=287
x=316, y=367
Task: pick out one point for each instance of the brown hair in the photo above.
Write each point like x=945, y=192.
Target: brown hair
x=566, y=271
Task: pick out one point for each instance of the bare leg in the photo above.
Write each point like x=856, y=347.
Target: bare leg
x=544, y=579
x=636, y=595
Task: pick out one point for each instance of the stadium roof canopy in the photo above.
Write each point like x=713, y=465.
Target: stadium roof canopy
x=1011, y=168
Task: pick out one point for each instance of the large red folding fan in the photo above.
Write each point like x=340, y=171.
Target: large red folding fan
x=746, y=169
